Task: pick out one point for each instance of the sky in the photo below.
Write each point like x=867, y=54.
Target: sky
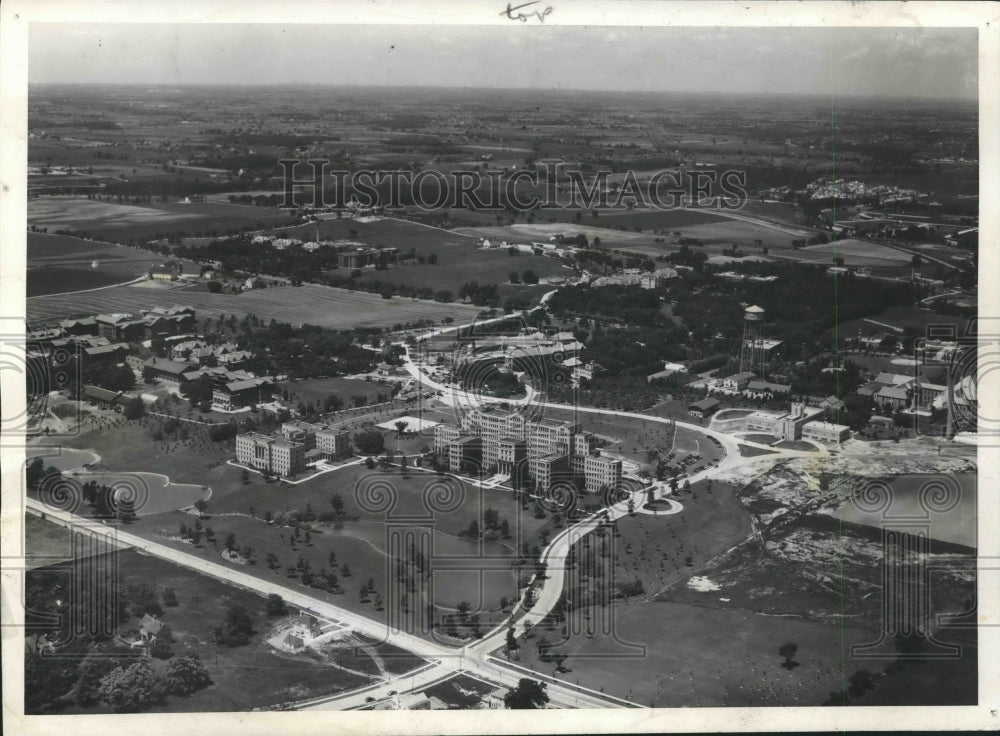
x=887, y=62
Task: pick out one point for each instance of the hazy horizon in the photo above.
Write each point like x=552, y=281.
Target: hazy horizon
x=918, y=64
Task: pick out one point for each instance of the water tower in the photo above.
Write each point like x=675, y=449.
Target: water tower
x=752, y=348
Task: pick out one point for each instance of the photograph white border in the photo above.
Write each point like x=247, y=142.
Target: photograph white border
x=15, y=16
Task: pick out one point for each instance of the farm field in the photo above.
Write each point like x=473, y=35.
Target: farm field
x=386, y=232
x=899, y=317
x=123, y=222
x=308, y=304
x=541, y=232
x=854, y=253
x=58, y=264
x=658, y=219
x=50, y=280
x=454, y=269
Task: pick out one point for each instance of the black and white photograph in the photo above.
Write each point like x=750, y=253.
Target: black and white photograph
x=620, y=358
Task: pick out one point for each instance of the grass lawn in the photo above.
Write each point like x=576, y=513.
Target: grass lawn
x=747, y=451
x=656, y=550
x=316, y=390
x=699, y=655
x=633, y=438
x=252, y=676
x=479, y=572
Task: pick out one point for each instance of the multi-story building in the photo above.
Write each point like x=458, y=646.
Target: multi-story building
x=335, y=444
x=548, y=468
x=272, y=454
x=548, y=437
x=737, y=381
x=444, y=435
x=826, y=432
x=467, y=449
x=493, y=425
x=510, y=445
x=299, y=431
x=238, y=394
x=512, y=457
x=600, y=472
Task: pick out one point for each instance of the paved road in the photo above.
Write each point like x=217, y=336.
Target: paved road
x=445, y=660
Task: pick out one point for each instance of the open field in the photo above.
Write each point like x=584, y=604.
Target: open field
x=459, y=260
x=698, y=655
x=361, y=539
x=386, y=232
x=308, y=304
x=633, y=438
x=541, y=232
x=251, y=676
x=899, y=317
x=125, y=222
x=316, y=390
x=656, y=550
x=854, y=253
x=58, y=264
x=657, y=219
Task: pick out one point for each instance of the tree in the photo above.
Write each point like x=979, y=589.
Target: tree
x=511, y=640
x=126, y=510
x=276, y=605
x=201, y=505
x=134, y=409
x=529, y=277
x=237, y=628
x=370, y=442
x=528, y=695
x=788, y=650
x=400, y=426
x=141, y=599
x=432, y=259
x=345, y=571
x=515, y=277
x=35, y=472
x=185, y=675
x=129, y=689
x=169, y=597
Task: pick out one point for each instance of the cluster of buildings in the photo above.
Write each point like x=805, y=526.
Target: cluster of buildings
x=201, y=352
x=348, y=256
x=103, y=339
x=637, y=277
x=799, y=422
x=150, y=325
x=894, y=392
x=286, y=455
x=504, y=442
x=856, y=190
x=232, y=390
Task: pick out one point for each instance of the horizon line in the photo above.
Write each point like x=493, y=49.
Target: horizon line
x=458, y=88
